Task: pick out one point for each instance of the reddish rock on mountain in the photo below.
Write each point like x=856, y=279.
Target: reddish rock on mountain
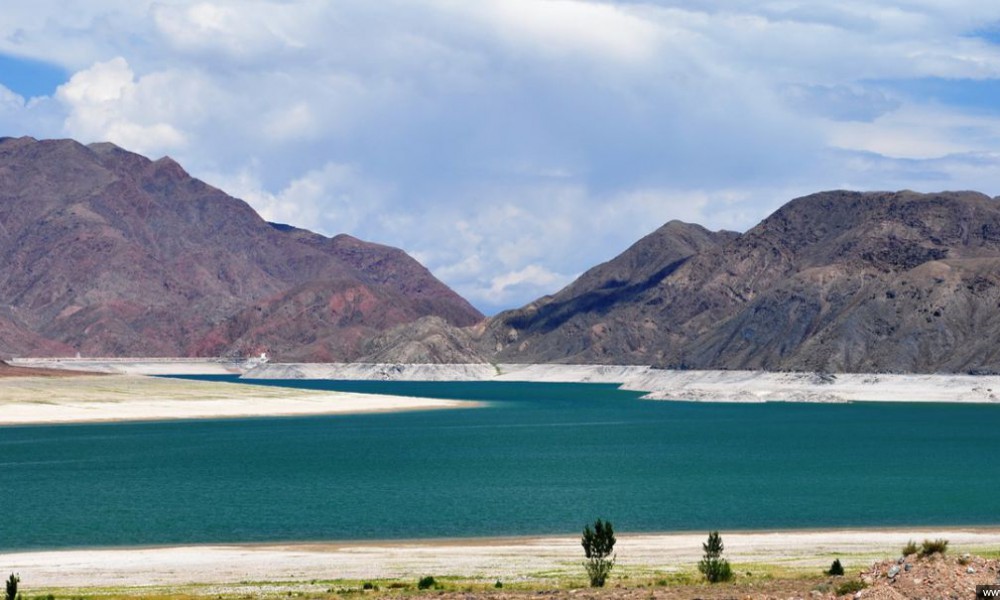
x=107, y=253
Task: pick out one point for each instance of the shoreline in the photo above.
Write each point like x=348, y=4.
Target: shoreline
x=538, y=559
x=656, y=384
x=526, y=539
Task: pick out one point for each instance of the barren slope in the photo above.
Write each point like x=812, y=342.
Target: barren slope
x=105, y=252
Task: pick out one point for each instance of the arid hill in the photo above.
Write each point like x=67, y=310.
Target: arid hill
x=836, y=281
x=107, y=253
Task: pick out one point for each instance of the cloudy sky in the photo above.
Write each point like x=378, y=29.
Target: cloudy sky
x=511, y=144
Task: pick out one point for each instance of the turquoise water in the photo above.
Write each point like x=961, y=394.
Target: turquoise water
x=538, y=459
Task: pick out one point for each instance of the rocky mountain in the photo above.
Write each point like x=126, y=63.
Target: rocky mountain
x=836, y=281
x=107, y=253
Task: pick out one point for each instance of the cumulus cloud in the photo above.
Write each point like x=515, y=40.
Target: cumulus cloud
x=9, y=101
x=511, y=144
x=105, y=102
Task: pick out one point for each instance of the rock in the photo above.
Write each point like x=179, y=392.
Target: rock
x=893, y=571
x=857, y=595
x=907, y=567
x=970, y=570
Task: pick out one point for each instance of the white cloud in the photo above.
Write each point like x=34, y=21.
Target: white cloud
x=922, y=132
x=241, y=30
x=511, y=143
x=560, y=28
x=106, y=103
x=336, y=198
x=9, y=101
x=514, y=284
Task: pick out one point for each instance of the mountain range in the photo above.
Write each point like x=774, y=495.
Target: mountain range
x=107, y=253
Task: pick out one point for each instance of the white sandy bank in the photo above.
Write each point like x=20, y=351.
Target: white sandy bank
x=715, y=386
x=32, y=400
x=659, y=384
x=509, y=559
x=141, y=366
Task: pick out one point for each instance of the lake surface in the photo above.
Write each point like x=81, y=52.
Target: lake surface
x=539, y=459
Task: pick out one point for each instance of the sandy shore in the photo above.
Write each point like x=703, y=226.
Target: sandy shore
x=658, y=384
x=540, y=559
x=35, y=400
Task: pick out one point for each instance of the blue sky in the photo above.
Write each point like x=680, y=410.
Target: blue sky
x=511, y=144
x=30, y=78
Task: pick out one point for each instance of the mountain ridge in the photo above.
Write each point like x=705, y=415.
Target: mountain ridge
x=106, y=252
x=834, y=281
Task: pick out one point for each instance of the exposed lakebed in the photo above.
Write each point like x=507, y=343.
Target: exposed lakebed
x=538, y=458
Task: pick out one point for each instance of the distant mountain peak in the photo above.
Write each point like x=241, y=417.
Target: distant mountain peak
x=833, y=281
x=115, y=254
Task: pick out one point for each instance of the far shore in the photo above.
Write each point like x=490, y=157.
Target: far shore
x=123, y=389
x=657, y=384
x=539, y=559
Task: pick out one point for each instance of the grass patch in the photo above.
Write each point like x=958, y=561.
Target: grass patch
x=931, y=547
x=850, y=587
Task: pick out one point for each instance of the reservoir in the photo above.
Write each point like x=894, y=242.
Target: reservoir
x=537, y=458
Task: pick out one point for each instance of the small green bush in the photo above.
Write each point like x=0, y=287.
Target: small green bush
x=12, y=582
x=598, y=545
x=850, y=587
x=910, y=548
x=498, y=584
x=713, y=566
x=938, y=546
x=836, y=568
x=368, y=586
x=426, y=583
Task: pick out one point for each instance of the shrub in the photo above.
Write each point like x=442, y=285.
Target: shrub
x=910, y=548
x=598, y=544
x=498, y=584
x=713, y=566
x=426, y=583
x=12, y=582
x=850, y=587
x=836, y=568
x=937, y=546
x=368, y=586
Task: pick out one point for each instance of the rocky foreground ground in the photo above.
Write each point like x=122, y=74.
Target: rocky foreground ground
x=910, y=578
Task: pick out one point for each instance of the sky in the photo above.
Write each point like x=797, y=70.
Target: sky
x=509, y=145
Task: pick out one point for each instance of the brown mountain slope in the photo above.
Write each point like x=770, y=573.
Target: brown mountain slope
x=838, y=281
x=568, y=325
x=105, y=252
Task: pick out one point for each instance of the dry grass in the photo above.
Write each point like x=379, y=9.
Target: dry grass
x=12, y=371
